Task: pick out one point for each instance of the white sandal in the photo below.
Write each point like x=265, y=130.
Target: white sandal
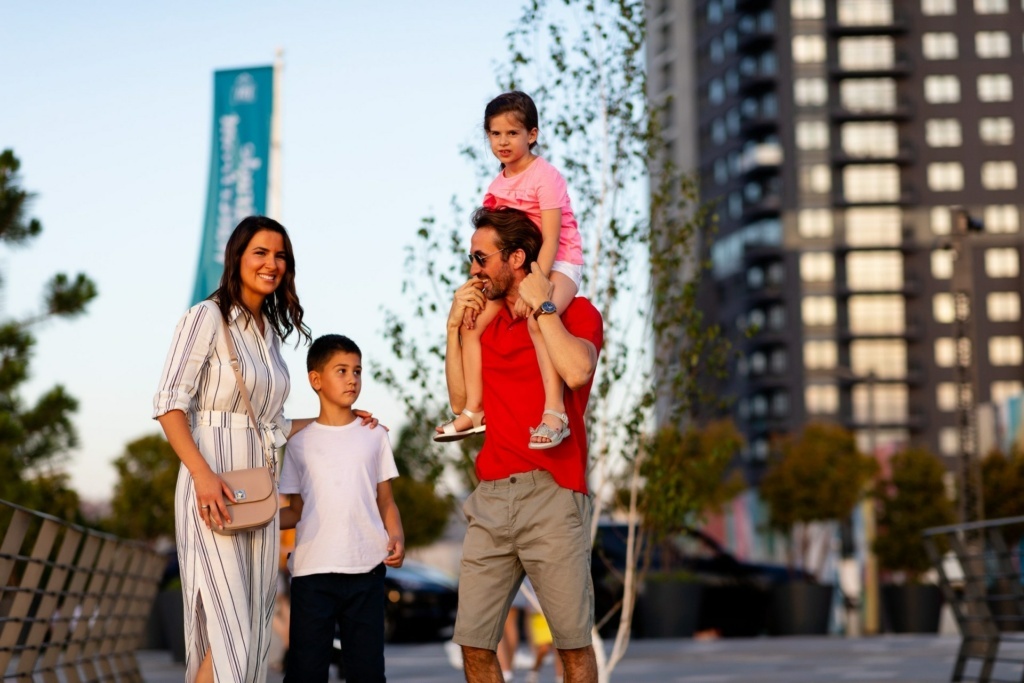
x=549, y=433
x=448, y=428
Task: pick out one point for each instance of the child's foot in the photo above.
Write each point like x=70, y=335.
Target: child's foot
x=467, y=424
x=549, y=433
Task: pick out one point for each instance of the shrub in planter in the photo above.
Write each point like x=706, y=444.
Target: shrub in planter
x=911, y=500
x=817, y=476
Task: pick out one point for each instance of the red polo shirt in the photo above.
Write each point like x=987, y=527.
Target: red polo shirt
x=514, y=401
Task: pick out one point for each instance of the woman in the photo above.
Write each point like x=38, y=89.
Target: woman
x=228, y=582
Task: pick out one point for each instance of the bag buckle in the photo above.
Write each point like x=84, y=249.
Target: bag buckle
x=239, y=495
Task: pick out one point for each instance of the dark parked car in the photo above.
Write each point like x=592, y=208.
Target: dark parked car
x=735, y=596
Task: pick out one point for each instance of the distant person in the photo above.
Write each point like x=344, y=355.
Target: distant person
x=530, y=514
x=529, y=183
x=228, y=582
x=347, y=525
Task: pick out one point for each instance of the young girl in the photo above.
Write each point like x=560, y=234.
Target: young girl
x=528, y=183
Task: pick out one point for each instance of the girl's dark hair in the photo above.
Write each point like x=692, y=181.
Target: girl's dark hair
x=518, y=104
x=282, y=308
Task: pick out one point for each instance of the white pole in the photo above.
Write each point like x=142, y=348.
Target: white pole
x=274, y=209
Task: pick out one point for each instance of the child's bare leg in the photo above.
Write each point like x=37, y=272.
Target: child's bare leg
x=472, y=363
x=554, y=387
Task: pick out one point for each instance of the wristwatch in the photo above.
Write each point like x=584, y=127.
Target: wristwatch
x=545, y=308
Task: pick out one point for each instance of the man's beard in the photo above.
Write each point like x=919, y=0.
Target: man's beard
x=498, y=287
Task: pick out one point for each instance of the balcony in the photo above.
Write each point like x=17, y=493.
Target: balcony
x=903, y=155
x=765, y=157
x=907, y=197
x=899, y=111
x=769, y=205
x=758, y=125
x=899, y=67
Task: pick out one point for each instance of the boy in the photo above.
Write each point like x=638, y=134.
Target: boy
x=338, y=475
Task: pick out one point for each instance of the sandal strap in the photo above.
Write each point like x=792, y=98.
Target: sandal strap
x=477, y=417
x=561, y=416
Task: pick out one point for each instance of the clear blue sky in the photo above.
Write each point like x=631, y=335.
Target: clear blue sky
x=108, y=105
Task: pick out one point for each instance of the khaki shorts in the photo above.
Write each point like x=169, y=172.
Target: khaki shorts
x=526, y=525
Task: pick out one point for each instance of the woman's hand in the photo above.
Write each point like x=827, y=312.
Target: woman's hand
x=368, y=420
x=212, y=495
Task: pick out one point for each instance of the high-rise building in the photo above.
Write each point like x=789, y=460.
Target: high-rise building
x=837, y=137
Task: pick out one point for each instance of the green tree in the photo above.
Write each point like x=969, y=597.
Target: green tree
x=818, y=476
x=34, y=438
x=143, y=503
x=424, y=511
x=1002, y=484
x=913, y=499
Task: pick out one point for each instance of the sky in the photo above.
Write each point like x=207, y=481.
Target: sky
x=108, y=106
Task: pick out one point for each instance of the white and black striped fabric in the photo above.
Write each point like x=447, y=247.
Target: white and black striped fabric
x=228, y=582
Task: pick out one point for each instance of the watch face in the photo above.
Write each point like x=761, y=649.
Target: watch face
x=548, y=307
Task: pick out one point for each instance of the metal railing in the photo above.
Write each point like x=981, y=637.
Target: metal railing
x=74, y=602
x=980, y=578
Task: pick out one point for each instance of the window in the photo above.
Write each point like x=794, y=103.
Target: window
x=990, y=6
x=807, y=9
x=778, y=361
x=945, y=352
x=871, y=139
x=887, y=358
x=718, y=133
x=716, y=91
x=817, y=267
x=943, y=308
x=942, y=132
x=821, y=399
x=815, y=178
x=997, y=130
x=882, y=314
x=721, y=171
x=941, y=220
x=1000, y=392
x=945, y=396
x=780, y=404
x=810, y=92
x=808, y=49
x=735, y=205
x=941, y=89
x=942, y=264
x=714, y=12
x=1002, y=262
x=812, y=135
x=868, y=94
x=946, y=176
x=995, y=88
x=874, y=270
x=999, y=175
x=865, y=13
x=889, y=400
x=939, y=45
x=871, y=227
x=992, y=44
x=1002, y=218
x=872, y=52
x=1003, y=307
x=820, y=355
x=1005, y=351
x=938, y=7
x=716, y=51
x=818, y=310
x=871, y=183
x=949, y=441
x=815, y=222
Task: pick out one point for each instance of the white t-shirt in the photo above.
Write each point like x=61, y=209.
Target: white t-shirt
x=336, y=471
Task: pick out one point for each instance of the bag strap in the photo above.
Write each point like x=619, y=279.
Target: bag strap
x=242, y=390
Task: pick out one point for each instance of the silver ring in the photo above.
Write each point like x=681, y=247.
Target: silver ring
x=205, y=507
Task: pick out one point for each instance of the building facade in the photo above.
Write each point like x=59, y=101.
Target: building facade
x=837, y=138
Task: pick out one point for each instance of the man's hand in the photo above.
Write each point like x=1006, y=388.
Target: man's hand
x=535, y=289
x=468, y=297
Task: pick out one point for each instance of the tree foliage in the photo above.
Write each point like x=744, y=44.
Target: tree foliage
x=913, y=499
x=143, y=503
x=818, y=476
x=34, y=437
x=1002, y=484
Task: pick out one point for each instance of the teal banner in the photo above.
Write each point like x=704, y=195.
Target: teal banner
x=239, y=164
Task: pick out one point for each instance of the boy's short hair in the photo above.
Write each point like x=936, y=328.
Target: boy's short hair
x=325, y=347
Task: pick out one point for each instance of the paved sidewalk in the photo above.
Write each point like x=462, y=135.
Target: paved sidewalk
x=883, y=659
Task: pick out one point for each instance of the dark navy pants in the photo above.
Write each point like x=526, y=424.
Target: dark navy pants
x=353, y=602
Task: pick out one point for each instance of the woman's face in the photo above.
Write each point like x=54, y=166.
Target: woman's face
x=262, y=268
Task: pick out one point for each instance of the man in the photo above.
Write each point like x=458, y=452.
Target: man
x=531, y=512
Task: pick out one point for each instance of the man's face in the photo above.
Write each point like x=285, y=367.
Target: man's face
x=496, y=273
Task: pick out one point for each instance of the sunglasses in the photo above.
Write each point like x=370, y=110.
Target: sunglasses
x=481, y=259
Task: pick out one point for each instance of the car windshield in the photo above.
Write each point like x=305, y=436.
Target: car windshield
x=421, y=573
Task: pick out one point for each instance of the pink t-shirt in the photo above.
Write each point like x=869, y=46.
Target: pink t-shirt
x=536, y=189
